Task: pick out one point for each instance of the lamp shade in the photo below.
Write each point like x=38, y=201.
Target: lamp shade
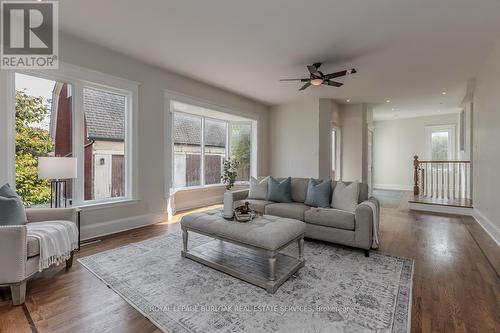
x=56, y=167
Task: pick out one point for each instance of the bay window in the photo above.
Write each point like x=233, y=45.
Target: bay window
x=202, y=139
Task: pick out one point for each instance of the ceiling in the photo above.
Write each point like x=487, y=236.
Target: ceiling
x=405, y=51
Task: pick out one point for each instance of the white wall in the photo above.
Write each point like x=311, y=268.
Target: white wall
x=151, y=137
x=294, y=140
x=486, y=139
x=353, y=124
x=395, y=144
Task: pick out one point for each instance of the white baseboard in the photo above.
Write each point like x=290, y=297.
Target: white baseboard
x=199, y=202
x=111, y=227
x=394, y=187
x=441, y=209
x=491, y=229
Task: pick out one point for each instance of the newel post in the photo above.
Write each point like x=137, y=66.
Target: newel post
x=416, y=189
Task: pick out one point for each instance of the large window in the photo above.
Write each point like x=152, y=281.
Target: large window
x=73, y=118
x=104, y=144
x=202, y=140
x=43, y=128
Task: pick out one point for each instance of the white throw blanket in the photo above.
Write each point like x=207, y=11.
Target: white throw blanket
x=374, y=208
x=57, y=239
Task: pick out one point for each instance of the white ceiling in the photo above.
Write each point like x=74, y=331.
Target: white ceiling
x=408, y=51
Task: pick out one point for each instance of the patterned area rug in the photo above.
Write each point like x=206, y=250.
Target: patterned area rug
x=339, y=290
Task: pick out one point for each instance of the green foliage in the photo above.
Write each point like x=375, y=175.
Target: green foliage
x=229, y=173
x=440, y=147
x=31, y=142
x=240, y=151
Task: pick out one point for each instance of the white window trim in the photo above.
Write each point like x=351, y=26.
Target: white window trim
x=79, y=78
x=171, y=96
x=451, y=128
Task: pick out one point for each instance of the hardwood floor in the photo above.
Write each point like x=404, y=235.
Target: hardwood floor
x=455, y=288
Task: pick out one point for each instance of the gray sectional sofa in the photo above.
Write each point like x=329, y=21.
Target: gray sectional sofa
x=327, y=224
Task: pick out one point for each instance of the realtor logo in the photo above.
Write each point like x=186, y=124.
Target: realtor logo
x=29, y=37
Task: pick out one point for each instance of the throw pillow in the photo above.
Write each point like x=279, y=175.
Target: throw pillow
x=11, y=207
x=345, y=197
x=258, y=189
x=318, y=193
x=279, y=191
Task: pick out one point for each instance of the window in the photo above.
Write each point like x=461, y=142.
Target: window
x=440, y=144
x=43, y=128
x=74, y=118
x=104, y=144
x=187, y=150
x=202, y=139
x=241, y=136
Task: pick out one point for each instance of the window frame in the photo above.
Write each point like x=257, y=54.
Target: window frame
x=169, y=98
x=79, y=78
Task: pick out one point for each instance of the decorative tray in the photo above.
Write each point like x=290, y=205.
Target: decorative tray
x=240, y=217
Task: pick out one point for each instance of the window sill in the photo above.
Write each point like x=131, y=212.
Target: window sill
x=106, y=204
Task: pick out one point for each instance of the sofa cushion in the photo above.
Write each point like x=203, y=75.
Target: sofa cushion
x=329, y=217
x=257, y=205
x=363, y=190
x=279, y=191
x=12, y=210
x=318, y=193
x=345, y=197
x=292, y=210
x=299, y=189
x=258, y=188
x=33, y=246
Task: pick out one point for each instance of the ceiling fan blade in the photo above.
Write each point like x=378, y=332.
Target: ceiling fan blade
x=305, y=86
x=301, y=80
x=339, y=74
x=333, y=83
x=313, y=69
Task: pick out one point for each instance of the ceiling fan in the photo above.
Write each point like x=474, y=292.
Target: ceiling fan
x=317, y=78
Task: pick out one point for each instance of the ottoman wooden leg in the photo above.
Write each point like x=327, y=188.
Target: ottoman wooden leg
x=184, y=240
x=301, y=248
x=272, y=267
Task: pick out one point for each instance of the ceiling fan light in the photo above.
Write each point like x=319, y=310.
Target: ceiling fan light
x=317, y=82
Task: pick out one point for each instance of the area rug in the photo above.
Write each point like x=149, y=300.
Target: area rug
x=338, y=290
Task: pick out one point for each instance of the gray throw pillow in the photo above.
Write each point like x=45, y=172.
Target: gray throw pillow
x=279, y=191
x=258, y=189
x=318, y=193
x=11, y=207
x=345, y=197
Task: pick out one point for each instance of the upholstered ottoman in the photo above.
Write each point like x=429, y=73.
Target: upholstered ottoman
x=249, y=251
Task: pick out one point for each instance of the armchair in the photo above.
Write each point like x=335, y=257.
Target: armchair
x=19, y=253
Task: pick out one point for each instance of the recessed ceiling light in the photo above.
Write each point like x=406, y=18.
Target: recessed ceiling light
x=347, y=100
x=393, y=109
x=388, y=101
x=443, y=93
x=439, y=110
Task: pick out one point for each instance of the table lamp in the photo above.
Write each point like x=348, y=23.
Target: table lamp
x=58, y=170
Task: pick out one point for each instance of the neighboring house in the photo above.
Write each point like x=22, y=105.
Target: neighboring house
x=187, y=152
x=105, y=137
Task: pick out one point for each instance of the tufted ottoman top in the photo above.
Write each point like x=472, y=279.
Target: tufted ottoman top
x=266, y=232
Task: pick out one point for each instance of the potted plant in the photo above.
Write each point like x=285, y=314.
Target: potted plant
x=228, y=177
x=229, y=174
